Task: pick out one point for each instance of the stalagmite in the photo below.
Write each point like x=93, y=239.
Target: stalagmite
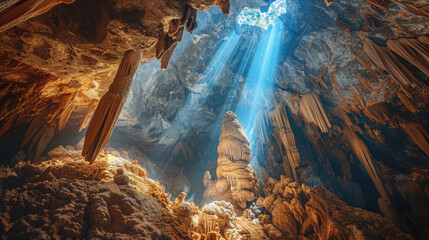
x=361, y=150
x=386, y=60
x=285, y=140
x=91, y=109
x=25, y=10
x=236, y=181
x=414, y=50
x=110, y=106
x=312, y=110
x=218, y=217
x=378, y=112
x=419, y=135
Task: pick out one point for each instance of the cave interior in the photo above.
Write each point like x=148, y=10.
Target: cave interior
x=214, y=119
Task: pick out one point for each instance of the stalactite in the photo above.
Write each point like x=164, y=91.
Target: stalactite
x=333, y=78
x=110, y=106
x=224, y=6
x=344, y=25
x=407, y=102
x=40, y=141
x=368, y=86
x=91, y=109
x=414, y=50
x=64, y=116
x=378, y=4
x=361, y=150
x=363, y=62
x=367, y=16
x=329, y=2
x=182, y=153
x=191, y=21
x=421, y=11
x=25, y=10
x=378, y=112
x=5, y=4
x=286, y=140
x=168, y=41
x=312, y=110
x=165, y=59
x=35, y=125
x=386, y=60
x=419, y=135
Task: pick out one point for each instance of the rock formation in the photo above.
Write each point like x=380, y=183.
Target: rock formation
x=14, y=12
x=312, y=110
x=384, y=59
x=113, y=197
x=110, y=107
x=75, y=50
x=414, y=50
x=88, y=115
x=286, y=140
x=419, y=135
x=67, y=197
x=218, y=217
x=361, y=150
x=236, y=181
x=378, y=112
x=314, y=213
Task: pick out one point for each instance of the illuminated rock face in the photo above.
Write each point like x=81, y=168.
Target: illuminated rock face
x=67, y=197
x=314, y=213
x=77, y=48
x=236, y=181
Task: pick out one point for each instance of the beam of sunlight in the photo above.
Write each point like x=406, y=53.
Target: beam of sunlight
x=245, y=57
x=199, y=93
x=260, y=80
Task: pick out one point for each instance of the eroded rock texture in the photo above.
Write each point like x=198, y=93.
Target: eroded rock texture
x=299, y=211
x=67, y=197
x=236, y=181
x=65, y=59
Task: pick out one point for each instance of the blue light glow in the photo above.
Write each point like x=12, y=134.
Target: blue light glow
x=260, y=80
x=254, y=17
x=200, y=93
x=245, y=57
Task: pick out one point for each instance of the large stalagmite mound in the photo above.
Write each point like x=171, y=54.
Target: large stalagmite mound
x=236, y=181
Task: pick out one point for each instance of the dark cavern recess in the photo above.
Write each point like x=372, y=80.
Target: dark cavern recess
x=214, y=119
